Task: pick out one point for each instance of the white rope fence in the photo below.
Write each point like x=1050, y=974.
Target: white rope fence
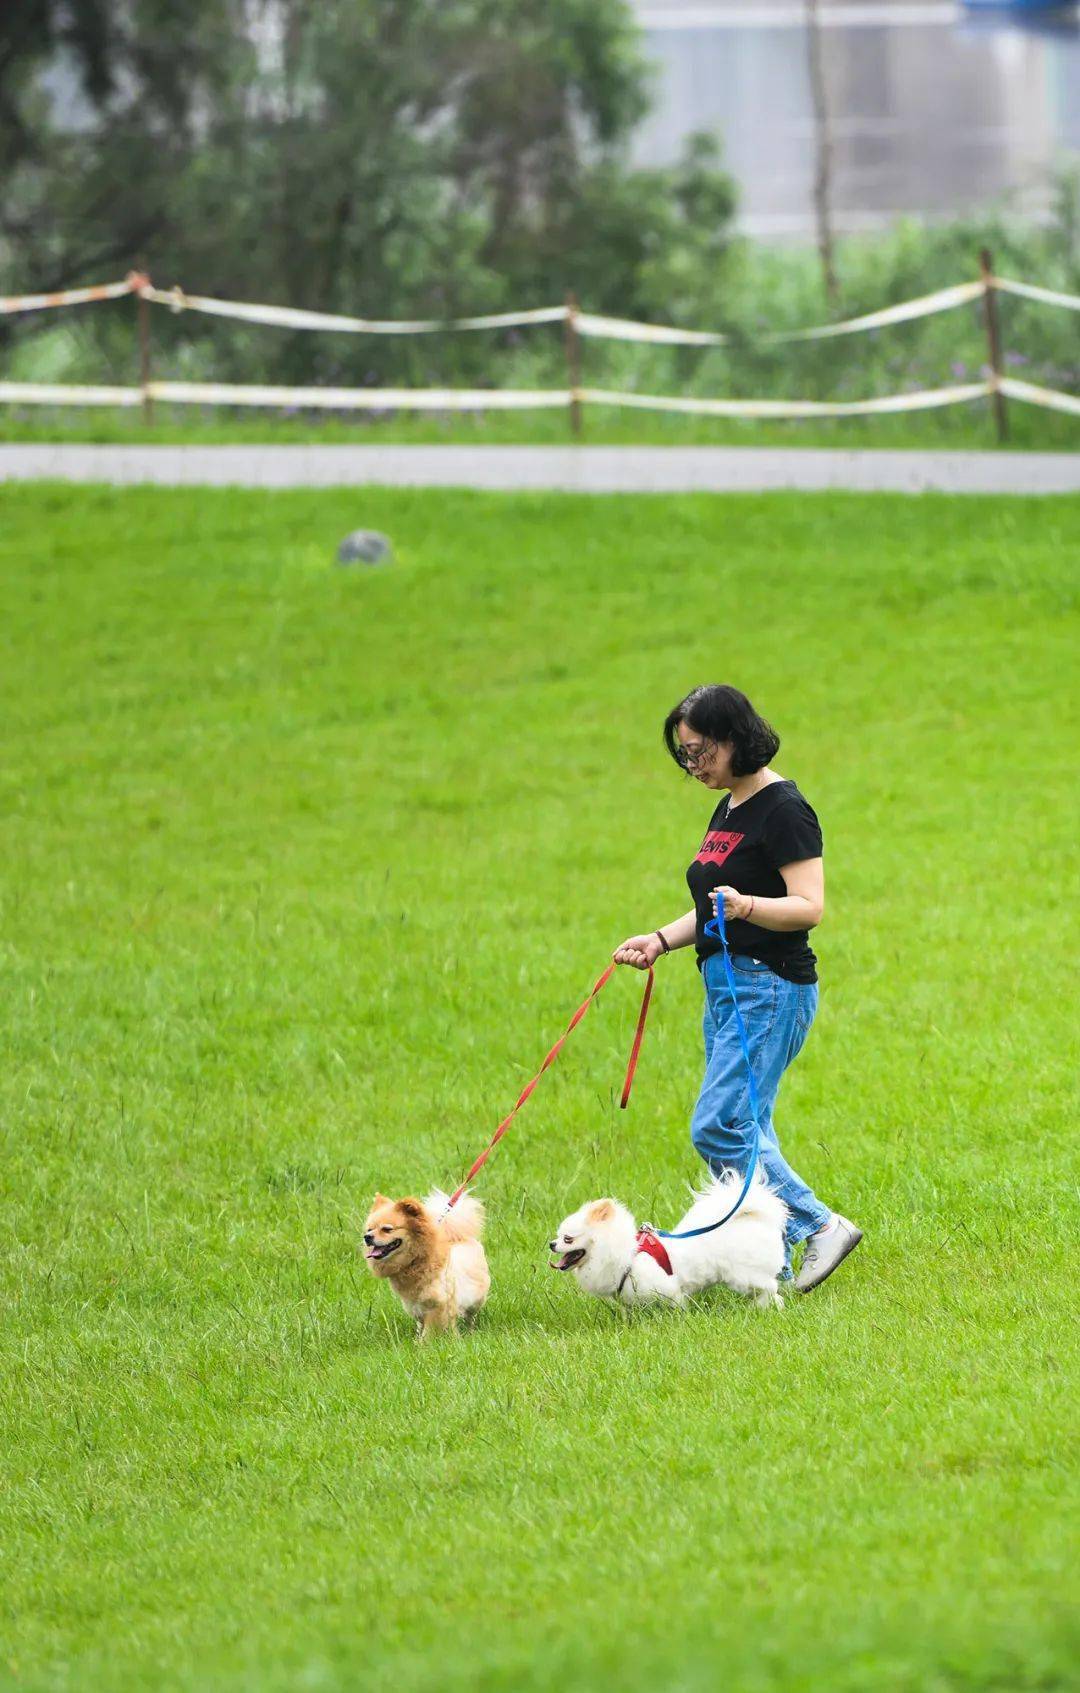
x=625, y=329
x=290, y=317
x=331, y=399
x=925, y=400
x=72, y=296
x=514, y=399
x=577, y=322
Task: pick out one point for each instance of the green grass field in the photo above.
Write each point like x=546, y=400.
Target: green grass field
x=302, y=871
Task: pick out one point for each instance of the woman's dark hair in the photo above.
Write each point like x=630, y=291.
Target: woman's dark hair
x=723, y=714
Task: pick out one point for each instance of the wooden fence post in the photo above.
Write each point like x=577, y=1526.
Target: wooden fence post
x=572, y=342
x=993, y=339
x=143, y=307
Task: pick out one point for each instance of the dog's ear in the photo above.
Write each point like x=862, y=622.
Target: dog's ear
x=380, y=1199
x=601, y=1211
x=411, y=1208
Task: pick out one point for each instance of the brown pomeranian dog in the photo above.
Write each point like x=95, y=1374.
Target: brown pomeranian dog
x=431, y=1257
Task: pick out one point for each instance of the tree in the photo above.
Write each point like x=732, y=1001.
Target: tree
x=824, y=152
x=387, y=158
x=33, y=32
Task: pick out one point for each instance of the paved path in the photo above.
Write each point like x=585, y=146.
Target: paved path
x=587, y=470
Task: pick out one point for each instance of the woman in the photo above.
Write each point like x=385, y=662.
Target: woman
x=765, y=839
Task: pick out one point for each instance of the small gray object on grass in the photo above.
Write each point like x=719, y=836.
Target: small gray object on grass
x=364, y=546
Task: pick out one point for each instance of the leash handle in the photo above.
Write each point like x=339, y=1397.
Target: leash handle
x=716, y=928
x=631, y=1067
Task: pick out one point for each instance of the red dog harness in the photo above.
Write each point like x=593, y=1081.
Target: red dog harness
x=649, y=1242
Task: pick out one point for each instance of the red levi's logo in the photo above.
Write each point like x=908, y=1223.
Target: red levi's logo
x=717, y=845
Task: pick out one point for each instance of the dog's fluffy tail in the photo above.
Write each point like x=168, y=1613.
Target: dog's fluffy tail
x=760, y=1201
x=465, y=1221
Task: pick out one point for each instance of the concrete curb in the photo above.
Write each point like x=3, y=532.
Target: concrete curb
x=586, y=470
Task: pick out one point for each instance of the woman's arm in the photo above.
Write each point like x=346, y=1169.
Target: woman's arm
x=801, y=908
x=643, y=950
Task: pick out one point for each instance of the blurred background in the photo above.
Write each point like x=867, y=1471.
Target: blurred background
x=933, y=108
x=738, y=166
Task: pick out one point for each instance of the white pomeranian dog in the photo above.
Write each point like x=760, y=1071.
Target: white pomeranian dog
x=610, y=1256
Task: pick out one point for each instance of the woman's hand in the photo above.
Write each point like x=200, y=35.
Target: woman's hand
x=639, y=950
x=735, y=904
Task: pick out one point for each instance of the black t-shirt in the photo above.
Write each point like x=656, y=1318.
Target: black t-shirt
x=745, y=850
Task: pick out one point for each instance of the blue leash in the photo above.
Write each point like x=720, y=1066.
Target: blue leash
x=716, y=928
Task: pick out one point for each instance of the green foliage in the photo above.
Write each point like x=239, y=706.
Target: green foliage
x=301, y=870
x=392, y=158
x=34, y=32
x=769, y=289
x=753, y=291
x=380, y=157
x=649, y=244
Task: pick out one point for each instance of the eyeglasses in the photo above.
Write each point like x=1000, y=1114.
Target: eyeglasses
x=691, y=760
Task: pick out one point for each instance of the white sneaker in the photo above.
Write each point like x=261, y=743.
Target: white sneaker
x=824, y=1251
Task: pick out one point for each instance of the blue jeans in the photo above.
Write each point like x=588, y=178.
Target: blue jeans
x=778, y=1015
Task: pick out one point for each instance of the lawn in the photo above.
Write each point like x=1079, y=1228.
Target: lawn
x=302, y=870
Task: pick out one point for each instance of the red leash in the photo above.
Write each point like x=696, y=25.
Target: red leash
x=550, y=1059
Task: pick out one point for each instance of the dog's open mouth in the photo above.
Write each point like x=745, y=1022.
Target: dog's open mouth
x=568, y=1259
x=383, y=1249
